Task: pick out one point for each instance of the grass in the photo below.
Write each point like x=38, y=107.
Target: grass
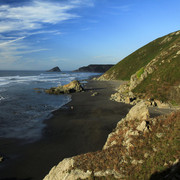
x=141, y=71
x=162, y=83
x=138, y=59
x=159, y=85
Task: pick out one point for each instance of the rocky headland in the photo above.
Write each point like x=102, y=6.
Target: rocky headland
x=99, y=68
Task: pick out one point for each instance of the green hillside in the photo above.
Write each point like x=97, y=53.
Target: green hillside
x=153, y=70
x=132, y=63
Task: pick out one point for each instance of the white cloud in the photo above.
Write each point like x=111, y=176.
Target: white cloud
x=34, y=15
x=24, y=20
x=11, y=41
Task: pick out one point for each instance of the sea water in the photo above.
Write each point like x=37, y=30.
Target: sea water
x=22, y=108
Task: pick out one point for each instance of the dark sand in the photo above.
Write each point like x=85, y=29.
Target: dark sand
x=69, y=132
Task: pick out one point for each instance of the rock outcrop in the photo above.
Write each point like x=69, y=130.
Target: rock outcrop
x=55, y=69
x=63, y=171
x=136, y=141
x=138, y=115
x=72, y=87
x=100, y=68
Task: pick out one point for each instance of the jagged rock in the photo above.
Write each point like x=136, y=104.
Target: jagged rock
x=64, y=171
x=72, y=87
x=138, y=115
x=55, y=69
x=142, y=126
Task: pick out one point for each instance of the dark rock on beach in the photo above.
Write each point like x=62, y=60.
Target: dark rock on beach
x=55, y=69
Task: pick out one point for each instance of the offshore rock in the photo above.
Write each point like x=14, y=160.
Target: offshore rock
x=72, y=87
x=55, y=69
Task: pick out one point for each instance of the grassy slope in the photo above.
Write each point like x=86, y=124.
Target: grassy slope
x=159, y=84
x=132, y=63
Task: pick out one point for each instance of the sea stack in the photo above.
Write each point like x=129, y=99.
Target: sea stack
x=55, y=69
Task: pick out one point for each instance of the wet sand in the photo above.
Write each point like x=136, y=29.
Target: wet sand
x=80, y=126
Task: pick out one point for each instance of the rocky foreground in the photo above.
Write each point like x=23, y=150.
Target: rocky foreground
x=140, y=147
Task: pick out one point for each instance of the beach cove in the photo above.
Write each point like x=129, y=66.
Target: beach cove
x=71, y=131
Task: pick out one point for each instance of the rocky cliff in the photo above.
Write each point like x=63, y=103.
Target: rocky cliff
x=138, y=148
x=101, y=68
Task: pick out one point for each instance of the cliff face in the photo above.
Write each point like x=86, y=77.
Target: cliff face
x=152, y=70
x=136, y=149
x=95, y=68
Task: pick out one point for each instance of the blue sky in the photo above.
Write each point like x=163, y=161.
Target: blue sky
x=41, y=34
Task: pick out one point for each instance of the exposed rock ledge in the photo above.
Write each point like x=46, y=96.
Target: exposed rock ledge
x=119, y=153
x=72, y=87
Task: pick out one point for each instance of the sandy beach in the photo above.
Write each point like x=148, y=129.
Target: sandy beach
x=80, y=126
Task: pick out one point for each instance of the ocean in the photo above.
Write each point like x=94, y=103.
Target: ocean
x=23, y=109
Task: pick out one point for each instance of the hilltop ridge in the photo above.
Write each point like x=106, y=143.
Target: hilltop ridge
x=101, y=68
x=153, y=70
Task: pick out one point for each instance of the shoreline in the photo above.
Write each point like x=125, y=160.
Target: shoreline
x=68, y=133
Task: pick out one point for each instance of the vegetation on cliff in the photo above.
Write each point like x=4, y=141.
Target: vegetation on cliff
x=153, y=70
x=147, y=157
x=101, y=68
x=140, y=147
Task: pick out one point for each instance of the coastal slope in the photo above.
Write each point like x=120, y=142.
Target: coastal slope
x=153, y=70
x=136, y=149
x=101, y=68
x=143, y=145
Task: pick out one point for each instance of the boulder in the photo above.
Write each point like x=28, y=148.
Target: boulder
x=139, y=111
x=72, y=87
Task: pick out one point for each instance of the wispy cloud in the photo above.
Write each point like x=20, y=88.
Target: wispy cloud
x=34, y=15
x=19, y=22
x=11, y=41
